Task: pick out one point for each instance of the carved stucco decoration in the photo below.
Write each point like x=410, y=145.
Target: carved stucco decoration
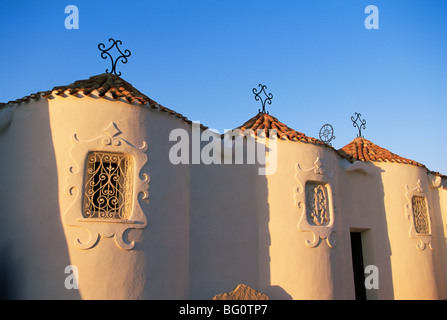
x=110, y=141
x=435, y=181
x=417, y=210
x=314, y=197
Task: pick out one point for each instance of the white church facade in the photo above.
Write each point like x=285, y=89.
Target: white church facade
x=87, y=184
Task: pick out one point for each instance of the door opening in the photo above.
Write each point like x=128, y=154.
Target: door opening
x=358, y=265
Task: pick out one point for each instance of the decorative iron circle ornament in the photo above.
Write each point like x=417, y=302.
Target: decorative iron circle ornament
x=327, y=133
x=105, y=53
x=268, y=97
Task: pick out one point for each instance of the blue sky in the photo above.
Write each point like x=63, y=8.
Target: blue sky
x=203, y=58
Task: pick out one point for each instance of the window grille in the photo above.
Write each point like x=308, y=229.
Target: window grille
x=108, y=186
x=421, y=223
x=317, y=204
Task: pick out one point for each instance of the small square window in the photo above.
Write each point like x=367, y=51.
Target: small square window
x=108, y=186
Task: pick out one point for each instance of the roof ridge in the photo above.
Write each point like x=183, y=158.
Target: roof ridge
x=103, y=83
x=264, y=121
x=365, y=150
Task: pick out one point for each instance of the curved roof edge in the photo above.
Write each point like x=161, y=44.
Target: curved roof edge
x=106, y=83
x=101, y=85
x=365, y=150
x=263, y=121
x=361, y=149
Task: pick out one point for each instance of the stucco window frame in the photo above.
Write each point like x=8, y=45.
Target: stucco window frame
x=315, y=175
x=111, y=141
x=424, y=238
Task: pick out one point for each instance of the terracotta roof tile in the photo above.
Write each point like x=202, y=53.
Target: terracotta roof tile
x=436, y=173
x=267, y=122
x=103, y=84
x=364, y=150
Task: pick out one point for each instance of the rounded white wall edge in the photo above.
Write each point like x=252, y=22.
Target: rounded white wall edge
x=6, y=116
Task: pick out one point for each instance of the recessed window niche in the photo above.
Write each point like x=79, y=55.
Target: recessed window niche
x=420, y=216
x=108, y=186
x=317, y=203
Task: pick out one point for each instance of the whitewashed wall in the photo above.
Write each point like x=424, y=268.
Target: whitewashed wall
x=32, y=242
x=157, y=267
x=209, y=227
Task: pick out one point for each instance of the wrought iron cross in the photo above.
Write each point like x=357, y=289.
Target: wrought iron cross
x=105, y=53
x=355, y=124
x=268, y=97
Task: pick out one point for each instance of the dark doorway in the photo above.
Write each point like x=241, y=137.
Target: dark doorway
x=357, y=265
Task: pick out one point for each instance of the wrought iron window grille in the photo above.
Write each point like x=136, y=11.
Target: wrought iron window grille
x=317, y=204
x=108, y=186
x=420, y=216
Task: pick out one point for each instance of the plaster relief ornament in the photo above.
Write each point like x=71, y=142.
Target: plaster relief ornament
x=314, y=197
x=417, y=211
x=317, y=205
x=105, y=181
x=317, y=169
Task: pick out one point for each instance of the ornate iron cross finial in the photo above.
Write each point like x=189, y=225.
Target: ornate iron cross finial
x=327, y=134
x=268, y=98
x=105, y=53
x=355, y=124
